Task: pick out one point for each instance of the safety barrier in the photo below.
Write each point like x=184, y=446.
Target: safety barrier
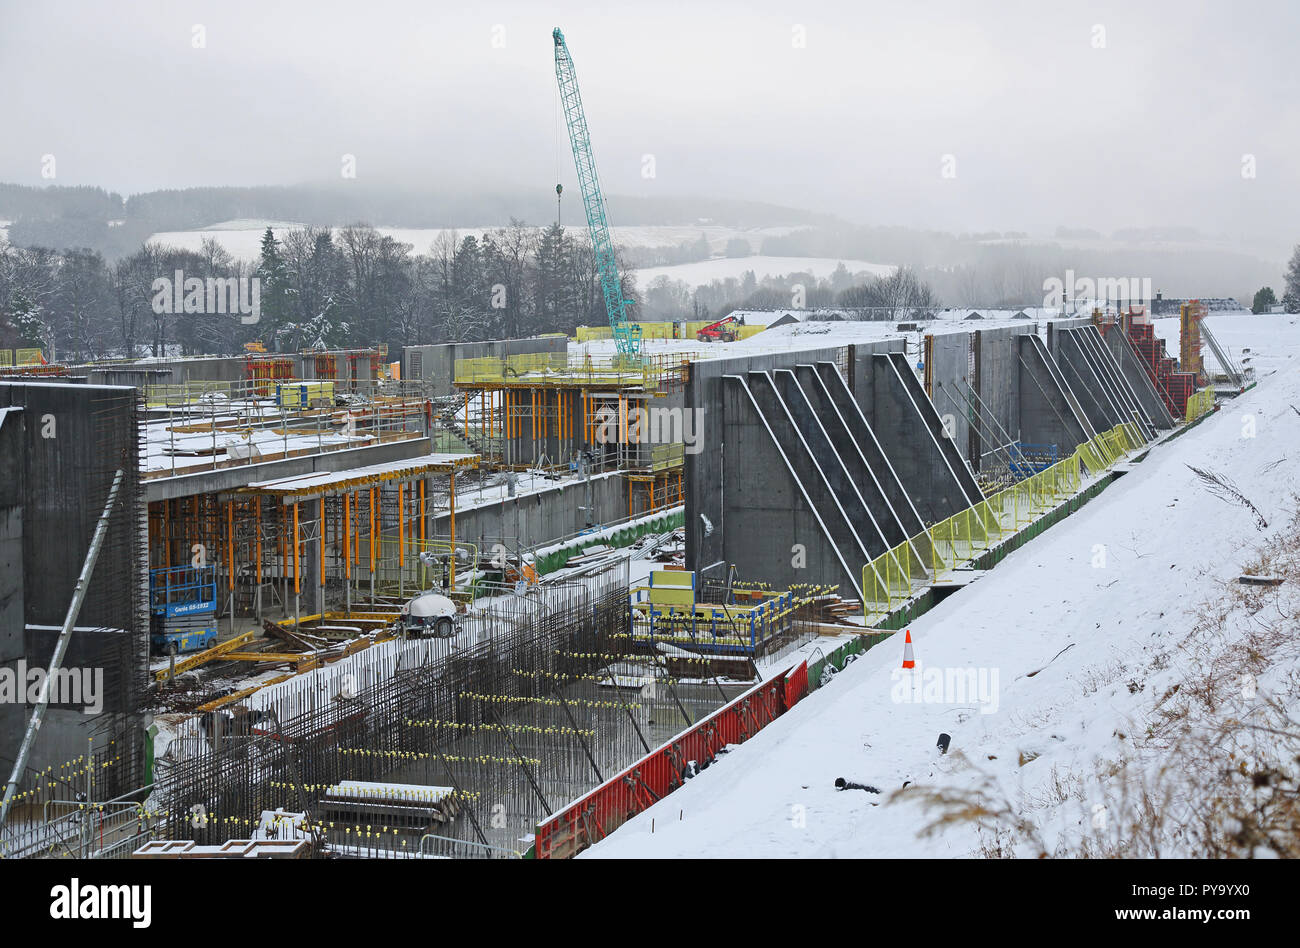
x=736, y=628
x=591, y=818
x=890, y=580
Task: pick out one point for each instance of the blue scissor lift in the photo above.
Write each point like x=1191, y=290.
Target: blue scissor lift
x=183, y=608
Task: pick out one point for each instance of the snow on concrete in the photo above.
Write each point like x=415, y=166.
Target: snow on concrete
x=1063, y=635
x=809, y=334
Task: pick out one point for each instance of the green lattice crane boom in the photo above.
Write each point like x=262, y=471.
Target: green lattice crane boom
x=627, y=334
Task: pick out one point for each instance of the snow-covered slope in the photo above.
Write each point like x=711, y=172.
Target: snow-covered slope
x=1081, y=636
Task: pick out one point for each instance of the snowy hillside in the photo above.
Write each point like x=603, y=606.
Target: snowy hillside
x=243, y=238
x=1134, y=690
x=722, y=268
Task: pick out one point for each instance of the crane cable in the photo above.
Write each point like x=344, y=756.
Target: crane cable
x=558, y=192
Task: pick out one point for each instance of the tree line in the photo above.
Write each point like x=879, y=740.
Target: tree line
x=355, y=287
x=317, y=287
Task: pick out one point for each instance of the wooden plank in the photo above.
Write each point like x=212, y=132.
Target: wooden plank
x=240, y=695
x=294, y=657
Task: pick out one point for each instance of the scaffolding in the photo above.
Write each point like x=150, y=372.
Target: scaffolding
x=199, y=426
x=345, y=537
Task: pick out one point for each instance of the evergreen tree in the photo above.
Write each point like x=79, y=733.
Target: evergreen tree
x=274, y=288
x=1291, y=298
x=1264, y=298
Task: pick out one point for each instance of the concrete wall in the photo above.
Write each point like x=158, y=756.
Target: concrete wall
x=92, y=430
x=72, y=440
x=703, y=476
x=1139, y=381
x=230, y=478
x=771, y=524
x=997, y=382
x=1047, y=415
x=11, y=570
x=950, y=382
x=437, y=362
x=533, y=519
x=208, y=369
x=911, y=433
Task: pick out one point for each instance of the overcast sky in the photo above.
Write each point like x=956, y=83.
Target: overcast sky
x=1103, y=115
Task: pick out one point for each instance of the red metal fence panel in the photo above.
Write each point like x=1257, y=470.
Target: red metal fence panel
x=796, y=684
x=591, y=818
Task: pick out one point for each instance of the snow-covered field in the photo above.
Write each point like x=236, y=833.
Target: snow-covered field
x=1084, y=638
x=243, y=238
x=704, y=272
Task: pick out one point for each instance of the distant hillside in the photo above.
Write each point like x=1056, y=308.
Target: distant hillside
x=80, y=217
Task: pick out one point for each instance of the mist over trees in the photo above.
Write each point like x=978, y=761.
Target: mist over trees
x=77, y=278
x=61, y=217
x=318, y=287
x=901, y=292
x=1006, y=269
x=1291, y=297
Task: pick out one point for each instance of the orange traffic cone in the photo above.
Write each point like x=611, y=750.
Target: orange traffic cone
x=908, y=660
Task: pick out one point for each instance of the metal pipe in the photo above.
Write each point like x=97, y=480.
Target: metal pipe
x=61, y=646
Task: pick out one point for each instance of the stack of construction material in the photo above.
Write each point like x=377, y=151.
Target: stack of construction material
x=413, y=806
x=831, y=615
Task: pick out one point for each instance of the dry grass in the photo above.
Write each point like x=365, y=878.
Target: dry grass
x=1215, y=772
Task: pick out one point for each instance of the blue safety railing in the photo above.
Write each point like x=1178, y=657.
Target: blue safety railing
x=183, y=590
x=1029, y=459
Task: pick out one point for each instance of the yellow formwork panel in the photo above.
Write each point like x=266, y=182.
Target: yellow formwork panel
x=1198, y=404
x=554, y=368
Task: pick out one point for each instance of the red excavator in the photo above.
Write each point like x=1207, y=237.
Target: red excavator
x=720, y=331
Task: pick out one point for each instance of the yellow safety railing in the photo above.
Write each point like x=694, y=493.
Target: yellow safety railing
x=184, y=392
x=555, y=367
x=1200, y=403
x=664, y=330
x=889, y=580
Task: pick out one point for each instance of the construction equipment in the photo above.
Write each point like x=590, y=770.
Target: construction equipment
x=720, y=331
x=429, y=613
x=627, y=334
x=183, y=609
